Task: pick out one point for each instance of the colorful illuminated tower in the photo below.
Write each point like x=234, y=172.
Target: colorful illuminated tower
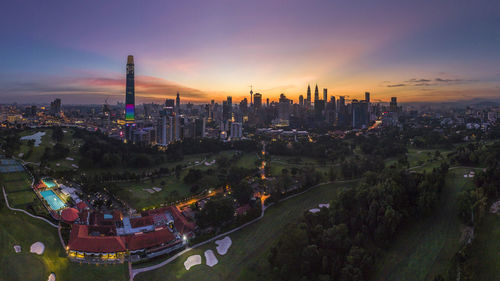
x=130, y=100
x=130, y=92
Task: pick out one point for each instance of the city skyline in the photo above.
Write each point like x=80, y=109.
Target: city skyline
x=428, y=51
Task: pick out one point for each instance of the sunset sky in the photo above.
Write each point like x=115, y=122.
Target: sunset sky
x=415, y=50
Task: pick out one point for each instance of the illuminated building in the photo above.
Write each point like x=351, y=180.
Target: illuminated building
x=129, y=99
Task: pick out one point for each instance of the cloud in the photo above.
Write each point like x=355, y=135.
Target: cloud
x=424, y=82
x=414, y=80
x=448, y=80
x=96, y=89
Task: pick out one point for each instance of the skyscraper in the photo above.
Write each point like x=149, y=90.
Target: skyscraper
x=325, y=95
x=316, y=93
x=393, y=107
x=308, y=95
x=130, y=92
x=177, y=103
x=257, y=100
x=55, y=107
x=301, y=100
x=367, y=97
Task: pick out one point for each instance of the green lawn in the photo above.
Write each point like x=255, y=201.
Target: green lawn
x=19, y=229
x=173, y=188
x=278, y=163
x=485, y=249
x=425, y=248
x=247, y=257
x=18, y=189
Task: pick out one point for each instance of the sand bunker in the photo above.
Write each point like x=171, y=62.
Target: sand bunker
x=223, y=245
x=210, y=258
x=327, y=205
x=149, y=190
x=192, y=261
x=74, y=166
x=495, y=207
x=52, y=277
x=69, y=159
x=157, y=189
x=37, y=248
x=17, y=248
x=315, y=210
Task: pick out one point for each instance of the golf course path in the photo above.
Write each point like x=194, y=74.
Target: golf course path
x=23, y=211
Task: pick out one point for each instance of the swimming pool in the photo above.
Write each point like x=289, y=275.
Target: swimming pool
x=54, y=201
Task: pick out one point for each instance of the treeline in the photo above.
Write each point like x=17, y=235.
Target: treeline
x=100, y=151
x=388, y=144
x=176, y=151
x=324, y=147
x=342, y=242
x=9, y=141
x=470, y=154
x=473, y=206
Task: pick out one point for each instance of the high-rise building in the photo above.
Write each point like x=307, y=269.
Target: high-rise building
x=316, y=93
x=283, y=108
x=308, y=103
x=342, y=112
x=393, y=106
x=325, y=95
x=55, y=107
x=170, y=103
x=367, y=97
x=267, y=102
x=236, y=130
x=301, y=100
x=359, y=114
x=257, y=100
x=319, y=107
x=130, y=92
x=177, y=103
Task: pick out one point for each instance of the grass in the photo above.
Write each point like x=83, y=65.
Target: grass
x=247, y=257
x=18, y=189
x=425, y=248
x=278, y=163
x=20, y=229
x=484, y=255
x=176, y=189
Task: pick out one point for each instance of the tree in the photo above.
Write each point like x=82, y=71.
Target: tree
x=217, y=212
x=178, y=170
x=193, y=175
x=242, y=192
x=57, y=134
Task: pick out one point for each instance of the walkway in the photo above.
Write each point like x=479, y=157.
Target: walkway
x=23, y=211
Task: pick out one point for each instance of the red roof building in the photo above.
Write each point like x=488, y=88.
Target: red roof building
x=80, y=240
x=69, y=215
x=147, y=240
x=81, y=206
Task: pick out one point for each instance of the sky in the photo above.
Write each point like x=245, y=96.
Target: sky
x=428, y=51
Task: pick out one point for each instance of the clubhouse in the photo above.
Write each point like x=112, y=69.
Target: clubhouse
x=113, y=238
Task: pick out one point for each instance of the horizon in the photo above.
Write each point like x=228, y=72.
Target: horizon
x=418, y=52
